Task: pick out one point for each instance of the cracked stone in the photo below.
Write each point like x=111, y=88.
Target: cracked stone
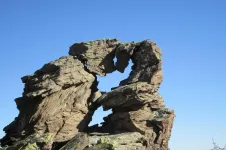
x=59, y=100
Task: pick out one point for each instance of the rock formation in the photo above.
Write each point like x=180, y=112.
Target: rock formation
x=60, y=98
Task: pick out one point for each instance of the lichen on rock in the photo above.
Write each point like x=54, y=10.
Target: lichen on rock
x=60, y=98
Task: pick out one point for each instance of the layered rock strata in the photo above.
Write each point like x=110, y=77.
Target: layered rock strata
x=60, y=98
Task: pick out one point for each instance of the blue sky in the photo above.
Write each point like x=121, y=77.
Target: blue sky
x=190, y=33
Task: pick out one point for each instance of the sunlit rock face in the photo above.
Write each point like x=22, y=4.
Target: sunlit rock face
x=60, y=98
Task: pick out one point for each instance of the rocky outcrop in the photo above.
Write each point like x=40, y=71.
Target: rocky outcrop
x=60, y=98
x=55, y=100
x=137, y=107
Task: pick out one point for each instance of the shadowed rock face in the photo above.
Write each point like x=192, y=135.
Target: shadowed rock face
x=96, y=55
x=60, y=98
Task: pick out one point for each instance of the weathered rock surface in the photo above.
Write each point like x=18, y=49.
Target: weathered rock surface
x=123, y=53
x=60, y=98
x=97, y=55
x=55, y=100
x=79, y=142
x=131, y=96
x=121, y=141
x=147, y=64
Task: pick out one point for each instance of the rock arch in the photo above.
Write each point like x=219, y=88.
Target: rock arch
x=60, y=98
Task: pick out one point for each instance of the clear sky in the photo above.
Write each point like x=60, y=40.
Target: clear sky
x=191, y=34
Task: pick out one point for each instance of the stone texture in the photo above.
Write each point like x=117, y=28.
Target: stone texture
x=123, y=53
x=147, y=64
x=131, y=96
x=97, y=55
x=55, y=100
x=79, y=142
x=121, y=141
x=33, y=142
x=60, y=98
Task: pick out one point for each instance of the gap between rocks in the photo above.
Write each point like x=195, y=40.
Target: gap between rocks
x=105, y=84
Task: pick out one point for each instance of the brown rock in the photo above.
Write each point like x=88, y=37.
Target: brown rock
x=60, y=98
x=130, y=96
x=147, y=64
x=55, y=100
x=79, y=142
x=97, y=55
x=123, y=53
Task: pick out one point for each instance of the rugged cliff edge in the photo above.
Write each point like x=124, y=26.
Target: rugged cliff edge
x=60, y=98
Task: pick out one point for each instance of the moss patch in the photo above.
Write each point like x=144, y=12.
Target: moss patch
x=46, y=138
x=32, y=146
x=104, y=146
